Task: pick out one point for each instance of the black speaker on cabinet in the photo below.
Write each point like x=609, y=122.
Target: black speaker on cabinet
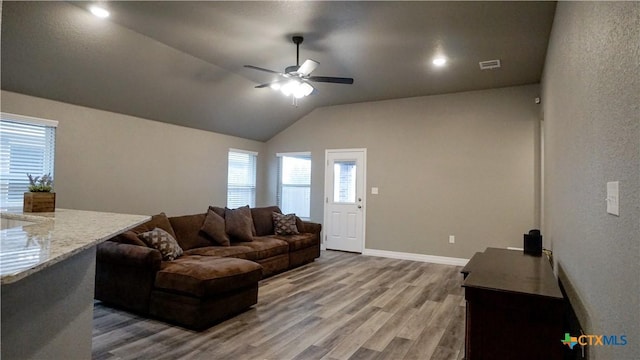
x=533, y=243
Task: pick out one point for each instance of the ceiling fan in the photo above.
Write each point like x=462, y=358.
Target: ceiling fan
x=295, y=78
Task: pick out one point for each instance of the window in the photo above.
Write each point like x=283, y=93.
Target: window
x=27, y=145
x=344, y=181
x=241, y=183
x=294, y=183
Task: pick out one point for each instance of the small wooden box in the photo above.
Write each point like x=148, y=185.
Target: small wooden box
x=39, y=202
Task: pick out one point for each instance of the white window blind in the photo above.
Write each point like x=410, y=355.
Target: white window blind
x=27, y=145
x=294, y=184
x=241, y=183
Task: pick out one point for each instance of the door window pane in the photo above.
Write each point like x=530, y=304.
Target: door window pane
x=344, y=181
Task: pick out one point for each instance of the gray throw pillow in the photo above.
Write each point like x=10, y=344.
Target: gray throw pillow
x=214, y=227
x=239, y=224
x=163, y=242
x=284, y=224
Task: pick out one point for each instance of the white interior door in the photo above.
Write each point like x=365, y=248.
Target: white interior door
x=345, y=199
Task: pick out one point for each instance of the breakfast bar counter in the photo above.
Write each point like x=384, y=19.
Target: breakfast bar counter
x=47, y=273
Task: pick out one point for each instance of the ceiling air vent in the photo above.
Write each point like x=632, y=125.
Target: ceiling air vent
x=489, y=64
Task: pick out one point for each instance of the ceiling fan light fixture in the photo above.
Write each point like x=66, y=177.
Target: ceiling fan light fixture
x=289, y=88
x=99, y=11
x=297, y=89
x=439, y=61
x=275, y=86
x=304, y=89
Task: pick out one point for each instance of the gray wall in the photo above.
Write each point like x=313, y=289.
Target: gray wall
x=112, y=162
x=591, y=97
x=461, y=164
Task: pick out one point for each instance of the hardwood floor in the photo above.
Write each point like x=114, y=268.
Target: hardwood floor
x=342, y=306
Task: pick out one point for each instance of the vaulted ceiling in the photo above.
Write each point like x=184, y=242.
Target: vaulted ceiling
x=182, y=62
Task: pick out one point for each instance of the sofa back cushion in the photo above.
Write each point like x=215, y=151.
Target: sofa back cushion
x=129, y=237
x=157, y=221
x=187, y=230
x=263, y=219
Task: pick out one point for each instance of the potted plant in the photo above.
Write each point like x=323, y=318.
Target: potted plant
x=40, y=197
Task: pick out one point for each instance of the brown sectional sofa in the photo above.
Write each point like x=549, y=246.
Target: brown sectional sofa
x=209, y=282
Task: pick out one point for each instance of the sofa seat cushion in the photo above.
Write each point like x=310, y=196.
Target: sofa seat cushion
x=234, y=251
x=206, y=276
x=299, y=241
x=263, y=247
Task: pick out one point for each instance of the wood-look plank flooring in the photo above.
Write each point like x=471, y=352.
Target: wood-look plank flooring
x=342, y=306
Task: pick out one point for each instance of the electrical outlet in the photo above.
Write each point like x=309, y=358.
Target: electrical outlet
x=452, y=239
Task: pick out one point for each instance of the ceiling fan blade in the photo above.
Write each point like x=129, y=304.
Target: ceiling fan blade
x=269, y=84
x=330, y=79
x=261, y=69
x=307, y=67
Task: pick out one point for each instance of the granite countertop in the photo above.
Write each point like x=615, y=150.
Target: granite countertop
x=30, y=242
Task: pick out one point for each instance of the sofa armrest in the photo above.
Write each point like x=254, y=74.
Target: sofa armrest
x=125, y=274
x=128, y=255
x=310, y=227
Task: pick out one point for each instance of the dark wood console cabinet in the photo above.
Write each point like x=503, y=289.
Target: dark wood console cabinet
x=514, y=307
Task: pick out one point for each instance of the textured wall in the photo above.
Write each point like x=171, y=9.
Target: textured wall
x=461, y=164
x=113, y=162
x=591, y=97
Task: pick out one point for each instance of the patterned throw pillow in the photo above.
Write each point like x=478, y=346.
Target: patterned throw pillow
x=162, y=241
x=284, y=224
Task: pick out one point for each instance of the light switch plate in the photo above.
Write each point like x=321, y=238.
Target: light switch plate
x=374, y=191
x=613, y=198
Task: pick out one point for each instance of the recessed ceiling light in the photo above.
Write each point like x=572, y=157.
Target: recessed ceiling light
x=99, y=11
x=439, y=61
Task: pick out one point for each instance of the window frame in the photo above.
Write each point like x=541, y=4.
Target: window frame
x=14, y=184
x=280, y=185
x=251, y=185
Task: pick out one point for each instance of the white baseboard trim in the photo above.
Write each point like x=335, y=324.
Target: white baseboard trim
x=416, y=257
